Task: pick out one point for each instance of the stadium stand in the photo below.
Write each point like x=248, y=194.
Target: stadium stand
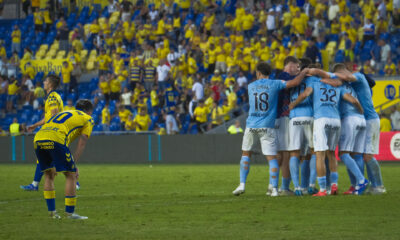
x=163, y=57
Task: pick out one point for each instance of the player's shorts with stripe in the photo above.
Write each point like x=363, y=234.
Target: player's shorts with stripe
x=326, y=134
x=352, y=134
x=53, y=154
x=282, y=133
x=301, y=134
x=372, y=136
x=266, y=136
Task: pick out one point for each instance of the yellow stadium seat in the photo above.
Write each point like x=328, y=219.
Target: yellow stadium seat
x=44, y=47
x=55, y=46
x=61, y=54
x=90, y=65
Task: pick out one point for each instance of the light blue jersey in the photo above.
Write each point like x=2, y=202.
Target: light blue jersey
x=326, y=101
x=347, y=109
x=305, y=108
x=263, y=100
x=363, y=92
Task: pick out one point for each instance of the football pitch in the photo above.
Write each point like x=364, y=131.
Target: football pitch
x=193, y=202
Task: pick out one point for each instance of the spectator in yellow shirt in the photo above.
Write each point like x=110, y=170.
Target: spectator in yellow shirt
x=16, y=40
x=298, y=24
x=124, y=115
x=105, y=117
x=66, y=76
x=385, y=123
x=103, y=62
x=390, y=68
x=69, y=105
x=247, y=24
x=142, y=121
x=38, y=20
x=200, y=114
x=217, y=115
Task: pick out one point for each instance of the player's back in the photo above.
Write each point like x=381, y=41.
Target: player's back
x=363, y=91
x=64, y=127
x=305, y=108
x=53, y=100
x=347, y=109
x=326, y=101
x=263, y=99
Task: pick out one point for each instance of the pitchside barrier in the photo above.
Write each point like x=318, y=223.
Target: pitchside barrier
x=153, y=149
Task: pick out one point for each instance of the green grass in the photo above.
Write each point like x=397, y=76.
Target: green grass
x=193, y=202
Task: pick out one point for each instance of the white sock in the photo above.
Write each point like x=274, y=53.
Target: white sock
x=241, y=185
x=35, y=184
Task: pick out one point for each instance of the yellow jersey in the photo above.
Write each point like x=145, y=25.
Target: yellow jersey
x=105, y=116
x=16, y=36
x=103, y=61
x=65, y=127
x=105, y=87
x=142, y=122
x=13, y=88
x=67, y=108
x=53, y=101
x=66, y=73
x=201, y=113
x=124, y=115
x=217, y=115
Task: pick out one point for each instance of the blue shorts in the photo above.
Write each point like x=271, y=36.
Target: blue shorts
x=53, y=154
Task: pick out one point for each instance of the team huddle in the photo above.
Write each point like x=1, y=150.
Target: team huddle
x=301, y=118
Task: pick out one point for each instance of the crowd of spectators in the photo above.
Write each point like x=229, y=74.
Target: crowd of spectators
x=187, y=63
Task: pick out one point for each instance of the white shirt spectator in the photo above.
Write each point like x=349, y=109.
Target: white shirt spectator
x=126, y=98
x=333, y=11
x=271, y=19
x=385, y=51
x=192, y=106
x=112, y=7
x=198, y=90
x=170, y=124
x=153, y=14
x=395, y=119
x=242, y=81
x=382, y=10
x=28, y=83
x=162, y=72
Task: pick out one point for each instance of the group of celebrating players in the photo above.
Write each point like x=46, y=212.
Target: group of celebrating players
x=301, y=118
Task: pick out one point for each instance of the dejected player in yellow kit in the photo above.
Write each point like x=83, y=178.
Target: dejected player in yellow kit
x=51, y=148
x=52, y=106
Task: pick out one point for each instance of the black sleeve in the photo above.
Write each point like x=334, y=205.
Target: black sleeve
x=371, y=81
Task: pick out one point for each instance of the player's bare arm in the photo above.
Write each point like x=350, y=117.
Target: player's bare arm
x=346, y=76
x=353, y=101
x=318, y=72
x=332, y=82
x=307, y=92
x=81, y=146
x=298, y=79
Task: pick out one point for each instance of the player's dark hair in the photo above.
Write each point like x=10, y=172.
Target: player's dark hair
x=339, y=66
x=315, y=65
x=264, y=68
x=54, y=80
x=304, y=62
x=290, y=59
x=84, y=105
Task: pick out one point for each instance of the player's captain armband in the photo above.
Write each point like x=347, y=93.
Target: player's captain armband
x=332, y=75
